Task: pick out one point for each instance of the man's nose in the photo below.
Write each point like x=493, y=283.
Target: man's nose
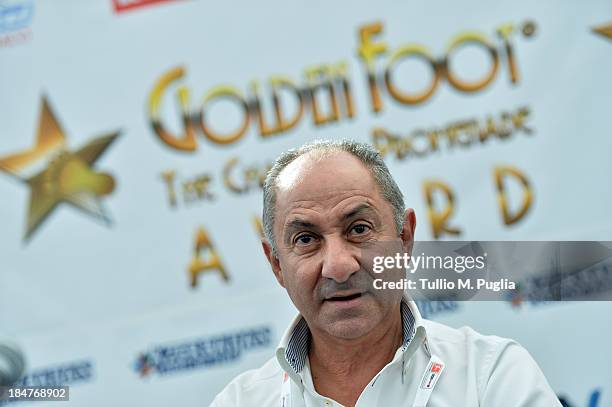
x=340, y=259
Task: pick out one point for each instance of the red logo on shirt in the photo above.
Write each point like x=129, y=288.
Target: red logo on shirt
x=436, y=367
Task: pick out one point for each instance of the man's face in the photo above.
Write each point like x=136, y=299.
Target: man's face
x=328, y=211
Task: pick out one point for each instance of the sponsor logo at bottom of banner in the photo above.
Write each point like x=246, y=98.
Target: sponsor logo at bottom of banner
x=64, y=374
x=201, y=353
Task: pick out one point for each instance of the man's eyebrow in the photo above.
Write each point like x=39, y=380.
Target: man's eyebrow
x=363, y=209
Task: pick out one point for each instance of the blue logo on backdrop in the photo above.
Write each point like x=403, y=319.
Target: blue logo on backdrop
x=15, y=14
x=201, y=353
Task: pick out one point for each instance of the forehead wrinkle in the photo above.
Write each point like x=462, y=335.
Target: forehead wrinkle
x=298, y=207
x=321, y=200
x=323, y=204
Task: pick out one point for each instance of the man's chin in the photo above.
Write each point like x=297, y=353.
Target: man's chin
x=349, y=328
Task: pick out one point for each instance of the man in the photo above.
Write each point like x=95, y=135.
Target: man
x=353, y=345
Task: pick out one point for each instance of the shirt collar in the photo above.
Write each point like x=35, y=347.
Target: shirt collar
x=295, y=343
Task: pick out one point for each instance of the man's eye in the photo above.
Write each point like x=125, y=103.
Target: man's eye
x=304, y=239
x=360, y=229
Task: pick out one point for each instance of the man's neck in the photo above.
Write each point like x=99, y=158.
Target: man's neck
x=342, y=368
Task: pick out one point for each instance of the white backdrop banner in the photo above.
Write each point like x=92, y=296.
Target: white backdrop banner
x=135, y=135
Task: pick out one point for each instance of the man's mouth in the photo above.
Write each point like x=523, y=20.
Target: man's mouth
x=344, y=297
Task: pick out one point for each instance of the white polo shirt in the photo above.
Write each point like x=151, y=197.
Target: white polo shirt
x=436, y=365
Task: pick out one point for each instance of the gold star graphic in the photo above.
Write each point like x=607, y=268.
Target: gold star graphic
x=605, y=30
x=56, y=174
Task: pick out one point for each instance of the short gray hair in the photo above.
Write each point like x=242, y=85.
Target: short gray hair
x=363, y=151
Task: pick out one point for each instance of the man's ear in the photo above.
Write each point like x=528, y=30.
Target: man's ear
x=408, y=228
x=274, y=262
